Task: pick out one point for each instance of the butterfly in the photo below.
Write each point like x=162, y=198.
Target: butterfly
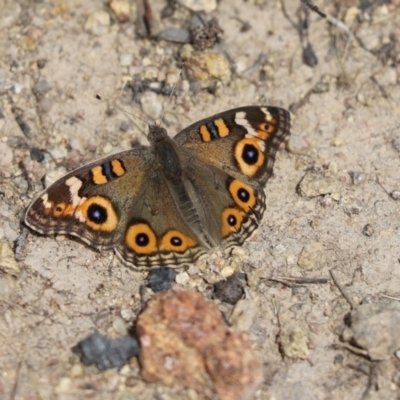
x=170, y=202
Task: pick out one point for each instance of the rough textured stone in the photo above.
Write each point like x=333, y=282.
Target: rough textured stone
x=186, y=343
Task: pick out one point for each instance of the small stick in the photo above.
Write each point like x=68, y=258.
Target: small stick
x=352, y=303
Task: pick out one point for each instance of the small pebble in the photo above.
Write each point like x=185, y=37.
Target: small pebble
x=351, y=14
x=122, y=10
x=59, y=152
x=322, y=86
x=119, y=326
x=125, y=370
x=242, y=316
x=337, y=142
x=177, y=35
x=160, y=279
x=76, y=371
x=357, y=177
x=361, y=99
x=77, y=144
x=309, y=56
x=395, y=195
x=311, y=257
x=25, y=128
x=127, y=314
x=41, y=88
x=293, y=342
x=291, y=259
x=41, y=63
x=206, y=67
x=227, y=271
x=105, y=352
x=107, y=149
x=36, y=154
x=8, y=264
x=150, y=73
x=64, y=386
x=336, y=196
x=315, y=184
x=125, y=60
x=333, y=167
x=18, y=87
x=151, y=105
x=368, y=230
x=98, y=23
x=124, y=126
x=230, y=290
x=352, y=206
x=193, y=270
x=182, y=278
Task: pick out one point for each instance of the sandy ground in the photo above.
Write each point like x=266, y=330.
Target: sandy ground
x=346, y=108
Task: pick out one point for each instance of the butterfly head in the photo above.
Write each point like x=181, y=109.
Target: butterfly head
x=157, y=134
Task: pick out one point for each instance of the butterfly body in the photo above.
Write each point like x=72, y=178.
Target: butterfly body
x=168, y=203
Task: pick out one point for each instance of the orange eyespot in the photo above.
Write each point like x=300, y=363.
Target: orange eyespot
x=174, y=240
x=141, y=239
x=232, y=220
x=59, y=209
x=98, y=213
x=249, y=155
x=242, y=194
x=265, y=130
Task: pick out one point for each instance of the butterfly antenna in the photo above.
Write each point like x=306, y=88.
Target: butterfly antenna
x=172, y=92
x=131, y=116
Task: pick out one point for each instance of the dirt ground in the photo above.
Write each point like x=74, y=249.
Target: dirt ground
x=54, y=57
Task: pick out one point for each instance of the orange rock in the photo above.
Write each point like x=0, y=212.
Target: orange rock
x=185, y=343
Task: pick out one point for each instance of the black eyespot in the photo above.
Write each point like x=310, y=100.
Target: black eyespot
x=250, y=154
x=97, y=214
x=176, y=241
x=142, y=239
x=58, y=209
x=232, y=221
x=243, y=195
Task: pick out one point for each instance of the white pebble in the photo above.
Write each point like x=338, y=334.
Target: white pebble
x=151, y=106
x=182, y=278
x=107, y=148
x=125, y=60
